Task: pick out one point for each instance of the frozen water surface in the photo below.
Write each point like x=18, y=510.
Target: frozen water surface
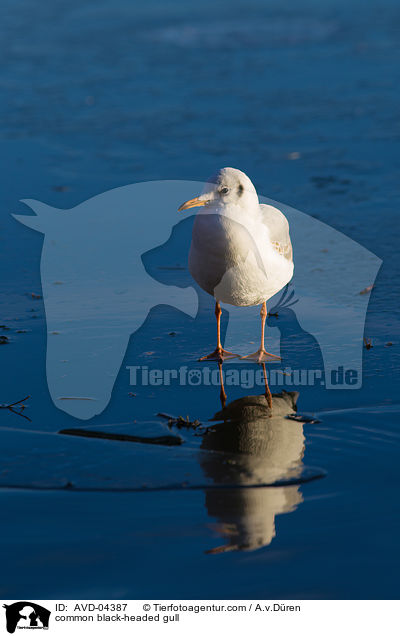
x=305, y=101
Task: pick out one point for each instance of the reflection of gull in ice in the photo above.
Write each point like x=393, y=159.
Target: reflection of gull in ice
x=258, y=449
x=241, y=251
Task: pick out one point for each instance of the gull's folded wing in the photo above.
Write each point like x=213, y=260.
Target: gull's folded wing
x=278, y=227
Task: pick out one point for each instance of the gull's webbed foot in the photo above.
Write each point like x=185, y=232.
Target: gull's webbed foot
x=220, y=354
x=261, y=356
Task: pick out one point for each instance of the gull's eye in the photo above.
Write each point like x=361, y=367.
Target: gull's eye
x=224, y=190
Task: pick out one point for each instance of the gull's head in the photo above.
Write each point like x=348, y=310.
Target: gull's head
x=228, y=186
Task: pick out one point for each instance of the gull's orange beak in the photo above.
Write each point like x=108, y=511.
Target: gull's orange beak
x=192, y=203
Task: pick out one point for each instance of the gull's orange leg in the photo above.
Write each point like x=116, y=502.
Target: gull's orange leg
x=220, y=354
x=261, y=355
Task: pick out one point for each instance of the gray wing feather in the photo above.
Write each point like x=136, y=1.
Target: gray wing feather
x=278, y=227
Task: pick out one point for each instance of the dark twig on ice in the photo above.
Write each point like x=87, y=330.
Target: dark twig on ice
x=21, y=407
x=367, y=343
x=179, y=422
x=162, y=440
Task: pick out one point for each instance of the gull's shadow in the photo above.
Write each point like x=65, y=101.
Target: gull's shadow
x=298, y=347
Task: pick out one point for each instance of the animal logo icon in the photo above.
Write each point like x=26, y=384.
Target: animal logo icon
x=25, y=614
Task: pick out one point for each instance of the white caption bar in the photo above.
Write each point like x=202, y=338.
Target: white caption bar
x=154, y=616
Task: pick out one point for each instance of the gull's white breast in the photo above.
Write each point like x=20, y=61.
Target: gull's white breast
x=232, y=256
